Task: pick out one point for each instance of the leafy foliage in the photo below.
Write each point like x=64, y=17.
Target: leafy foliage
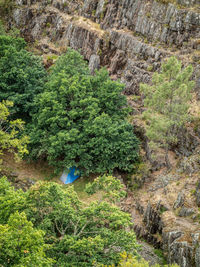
x=84, y=233
x=167, y=104
x=112, y=188
x=7, y=41
x=81, y=120
x=11, y=200
x=22, y=76
x=21, y=244
x=76, y=234
x=9, y=130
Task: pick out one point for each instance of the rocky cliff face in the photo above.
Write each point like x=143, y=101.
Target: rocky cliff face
x=165, y=214
x=130, y=38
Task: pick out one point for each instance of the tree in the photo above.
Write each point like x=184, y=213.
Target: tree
x=81, y=120
x=9, y=130
x=7, y=41
x=166, y=101
x=22, y=77
x=80, y=234
x=21, y=244
x=11, y=200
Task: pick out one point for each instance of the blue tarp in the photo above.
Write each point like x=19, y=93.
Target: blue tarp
x=69, y=176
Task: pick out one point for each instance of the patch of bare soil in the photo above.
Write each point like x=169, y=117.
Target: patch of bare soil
x=28, y=170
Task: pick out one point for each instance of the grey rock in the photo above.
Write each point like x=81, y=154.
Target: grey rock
x=17, y=16
x=170, y=237
x=30, y=181
x=195, y=239
x=147, y=252
x=118, y=61
x=152, y=219
x=181, y=253
x=94, y=63
x=188, y=3
x=88, y=7
x=139, y=207
x=197, y=194
x=19, y=2
x=179, y=201
x=100, y=8
x=163, y=180
x=190, y=164
x=184, y=212
x=198, y=198
x=187, y=143
x=198, y=185
x=197, y=257
x=14, y=174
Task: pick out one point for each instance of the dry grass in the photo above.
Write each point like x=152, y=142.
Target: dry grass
x=41, y=171
x=33, y=170
x=79, y=187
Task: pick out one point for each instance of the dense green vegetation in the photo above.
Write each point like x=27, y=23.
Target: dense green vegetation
x=49, y=226
x=22, y=77
x=21, y=244
x=73, y=119
x=74, y=234
x=9, y=130
x=167, y=103
x=81, y=120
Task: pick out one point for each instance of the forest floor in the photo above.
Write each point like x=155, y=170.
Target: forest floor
x=26, y=171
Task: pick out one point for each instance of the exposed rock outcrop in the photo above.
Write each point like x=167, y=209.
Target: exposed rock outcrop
x=130, y=37
x=197, y=194
x=94, y=63
x=167, y=218
x=162, y=233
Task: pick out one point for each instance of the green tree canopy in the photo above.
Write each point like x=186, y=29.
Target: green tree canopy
x=9, y=130
x=81, y=120
x=20, y=244
x=167, y=103
x=7, y=41
x=11, y=200
x=22, y=76
x=82, y=234
x=76, y=234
